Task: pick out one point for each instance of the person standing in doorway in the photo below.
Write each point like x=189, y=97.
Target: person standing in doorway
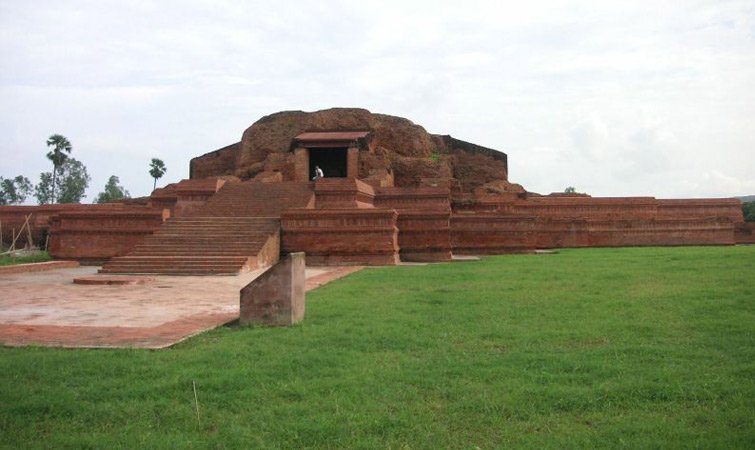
x=318, y=173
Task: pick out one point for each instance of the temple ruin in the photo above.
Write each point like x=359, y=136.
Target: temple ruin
x=392, y=192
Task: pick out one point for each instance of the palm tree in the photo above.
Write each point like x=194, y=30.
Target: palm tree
x=157, y=169
x=60, y=146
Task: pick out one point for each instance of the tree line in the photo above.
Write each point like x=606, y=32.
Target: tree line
x=68, y=180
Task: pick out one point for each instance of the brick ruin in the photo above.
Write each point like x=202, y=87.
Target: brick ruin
x=392, y=192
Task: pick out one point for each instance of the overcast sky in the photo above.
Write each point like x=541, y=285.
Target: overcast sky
x=614, y=98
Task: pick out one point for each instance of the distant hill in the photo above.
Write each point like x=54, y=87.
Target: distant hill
x=747, y=198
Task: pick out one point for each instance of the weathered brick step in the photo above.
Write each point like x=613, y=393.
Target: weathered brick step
x=240, y=243
x=192, y=253
x=216, y=228
x=203, y=271
x=224, y=220
x=167, y=263
x=210, y=230
x=187, y=245
x=238, y=221
x=251, y=243
x=207, y=236
x=220, y=226
x=129, y=268
x=204, y=237
x=202, y=248
x=207, y=250
x=210, y=258
x=172, y=264
x=209, y=243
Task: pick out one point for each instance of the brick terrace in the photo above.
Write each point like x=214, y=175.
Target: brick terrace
x=48, y=309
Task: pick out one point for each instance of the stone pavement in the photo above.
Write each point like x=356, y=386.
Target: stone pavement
x=48, y=309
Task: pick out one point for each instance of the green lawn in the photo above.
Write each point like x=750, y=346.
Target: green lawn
x=6, y=260
x=610, y=348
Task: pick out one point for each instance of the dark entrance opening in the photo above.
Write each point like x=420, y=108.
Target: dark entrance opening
x=332, y=161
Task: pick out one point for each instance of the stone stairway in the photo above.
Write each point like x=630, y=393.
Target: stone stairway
x=203, y=246
x=237, y=229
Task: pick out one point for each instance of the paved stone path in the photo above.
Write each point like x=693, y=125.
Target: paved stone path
x=48, y=309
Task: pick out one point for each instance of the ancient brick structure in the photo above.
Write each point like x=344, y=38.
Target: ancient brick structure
x=275, y=298
x=96, y=235
x=391, y=192
x=344, y=227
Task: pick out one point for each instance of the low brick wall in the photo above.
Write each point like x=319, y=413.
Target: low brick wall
x=424, y=232
x=413, y=198
x=97, y=235
x=744, y=233
x=591, y=222
x=424, y=235
x=341, y=236
x=489, y=234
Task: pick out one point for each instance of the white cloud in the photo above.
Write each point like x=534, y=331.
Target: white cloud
x=617, y=98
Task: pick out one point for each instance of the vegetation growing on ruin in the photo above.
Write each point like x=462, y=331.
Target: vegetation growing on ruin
x=748, y=211
x=35, y=257
x=609, y=348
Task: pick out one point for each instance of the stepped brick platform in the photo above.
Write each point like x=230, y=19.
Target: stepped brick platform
x=234, y=230
x=391, y=191
x=185, y=197
x=343, y=228
x=203, y=245
x=251, y=199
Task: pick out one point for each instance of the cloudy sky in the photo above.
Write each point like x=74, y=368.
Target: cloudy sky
x=613, y=98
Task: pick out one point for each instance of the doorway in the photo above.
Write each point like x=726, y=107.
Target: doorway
x=332, y=161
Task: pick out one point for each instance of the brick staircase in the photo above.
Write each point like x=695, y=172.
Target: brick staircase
x=237, y=229
x=257, y=199
x=202, y=246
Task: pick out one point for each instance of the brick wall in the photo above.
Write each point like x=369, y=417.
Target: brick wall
x=214, y=164
x=345, y=236
x=96, y=235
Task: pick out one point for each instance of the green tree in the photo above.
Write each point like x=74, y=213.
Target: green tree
x=157, y=169
x=70, y=184
x=43, y=189
x=13, y=191
x=113, y=191
x=60, y=146
x=748, y=210
x=570, y=190
x=74, y=181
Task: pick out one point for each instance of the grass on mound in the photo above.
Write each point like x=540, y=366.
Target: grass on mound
x=35, y=257
x=609, y=348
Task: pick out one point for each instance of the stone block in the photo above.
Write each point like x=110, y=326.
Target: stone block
x=275, y=298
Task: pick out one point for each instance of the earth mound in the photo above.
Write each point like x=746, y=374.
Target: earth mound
x=402, y=153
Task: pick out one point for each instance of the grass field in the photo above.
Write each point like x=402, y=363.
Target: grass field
x=609, y=348
x=7, y=260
